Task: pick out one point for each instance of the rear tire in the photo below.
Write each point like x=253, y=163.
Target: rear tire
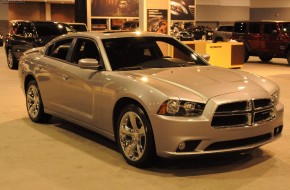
x=135, y=137
x=11, y=60
x=34, y=104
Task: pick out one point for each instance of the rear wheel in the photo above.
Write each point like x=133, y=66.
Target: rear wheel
x=265, y=58
x=135, y=137
x=11, y=60
x=34, y=104
x=288, y=57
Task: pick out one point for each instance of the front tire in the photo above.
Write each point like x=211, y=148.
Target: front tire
x=288, y=57
x=34, y=104
x=135, y=137
x=265, y=58
x=246, y=55
x=11, y=60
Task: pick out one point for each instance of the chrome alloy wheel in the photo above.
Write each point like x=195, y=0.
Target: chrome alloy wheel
x=10, y=59
x=132, y=136
x=33, y=101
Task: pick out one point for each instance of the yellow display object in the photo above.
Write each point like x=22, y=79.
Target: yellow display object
x=226, y=54
x=222, y=54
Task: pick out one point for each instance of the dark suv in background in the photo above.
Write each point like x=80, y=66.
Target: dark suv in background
x=24, y=35
x=265, y=39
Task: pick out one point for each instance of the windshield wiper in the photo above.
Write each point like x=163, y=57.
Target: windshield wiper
x=130, y=68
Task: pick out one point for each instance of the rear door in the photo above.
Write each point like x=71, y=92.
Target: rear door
x=270, y=39
x=253, y=37
x=50, y=75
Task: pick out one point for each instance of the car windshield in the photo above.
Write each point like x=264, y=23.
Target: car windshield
x=52, y=29
x=285, y=28
x=149, y=52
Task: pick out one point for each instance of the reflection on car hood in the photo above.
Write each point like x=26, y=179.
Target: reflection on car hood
x=205, y=81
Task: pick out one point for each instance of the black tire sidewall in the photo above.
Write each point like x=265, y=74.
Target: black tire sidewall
x=14, y=64
x=149, y=154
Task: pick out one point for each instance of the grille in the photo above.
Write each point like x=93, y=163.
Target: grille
x=243, y=113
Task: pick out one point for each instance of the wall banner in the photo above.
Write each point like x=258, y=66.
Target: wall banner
x=115, y=8
x=157, y=20
x=182, y=9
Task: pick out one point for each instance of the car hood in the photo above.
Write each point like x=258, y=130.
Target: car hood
x=204, y=81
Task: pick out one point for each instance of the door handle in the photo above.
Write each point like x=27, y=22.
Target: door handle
x=65, y=76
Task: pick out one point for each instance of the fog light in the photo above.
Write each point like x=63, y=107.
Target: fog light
x=181, y=146
x=278, y=130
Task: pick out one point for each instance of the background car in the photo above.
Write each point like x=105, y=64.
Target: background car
x=200, y=32
x=1, y=40
x=79, y=27
x=223, y=33
x=265, y=39
x=24, y=35
x=129, y=87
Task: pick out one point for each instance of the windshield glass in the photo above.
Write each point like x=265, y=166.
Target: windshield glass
x=149, y=52
x=285, y=28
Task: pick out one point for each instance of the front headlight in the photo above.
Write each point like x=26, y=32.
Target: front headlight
x=275, y=97
x=181, y=108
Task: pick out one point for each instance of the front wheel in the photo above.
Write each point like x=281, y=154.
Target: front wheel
x=11, y=60
x=288, y=57
x=265, y=58
x=135, y=137
x=246, y=56
x=34, y=104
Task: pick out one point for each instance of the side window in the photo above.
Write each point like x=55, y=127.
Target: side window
x=240, y=27
x=254, y=28
x=20, y=30
x=269, y=28
x=85, y=48
x=60, y=49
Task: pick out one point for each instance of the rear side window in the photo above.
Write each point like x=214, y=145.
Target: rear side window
x=269, y=28
x=254, y=28
x=226, y=28
x=60, y=49
x=240, y=27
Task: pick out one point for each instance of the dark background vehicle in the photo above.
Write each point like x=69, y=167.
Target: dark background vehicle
x=200, y=32
x=222, y=33
x=265, y=39
x=79, y=27
x=1, y=40
x=24, y=35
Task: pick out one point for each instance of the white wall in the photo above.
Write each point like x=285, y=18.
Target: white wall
x=270, y=3
x=245, y=3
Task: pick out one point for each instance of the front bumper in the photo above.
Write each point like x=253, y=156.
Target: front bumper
x=199, y=137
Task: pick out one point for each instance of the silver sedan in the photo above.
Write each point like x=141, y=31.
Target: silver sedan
x=151, y=94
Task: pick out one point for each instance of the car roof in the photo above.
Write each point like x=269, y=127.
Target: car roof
x=114, y=34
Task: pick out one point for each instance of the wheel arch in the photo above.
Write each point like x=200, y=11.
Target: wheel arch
x=28, y=78
x=120, y=104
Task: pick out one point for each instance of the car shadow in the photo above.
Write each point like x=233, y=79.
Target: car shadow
x=272, y=62
x=188, y=166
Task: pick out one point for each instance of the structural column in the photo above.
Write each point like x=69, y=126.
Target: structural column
x=81, y=11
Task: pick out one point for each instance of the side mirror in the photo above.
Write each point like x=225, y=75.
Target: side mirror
x=206, y=57
x=89, y=64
